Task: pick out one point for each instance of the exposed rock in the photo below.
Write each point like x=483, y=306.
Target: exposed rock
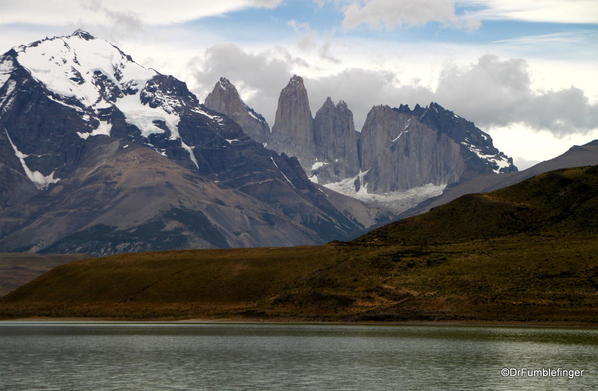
x=336, y=143
x=399, y=153
x=225, y=99
x=477, y=145
x=398, y=149
x=293, y=132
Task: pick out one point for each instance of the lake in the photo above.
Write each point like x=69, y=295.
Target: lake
x=179, y=356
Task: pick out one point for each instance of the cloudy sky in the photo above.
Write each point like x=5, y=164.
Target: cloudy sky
x=523, y=70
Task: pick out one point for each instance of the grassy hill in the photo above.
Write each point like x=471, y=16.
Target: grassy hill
x=562, y=202
x=17, y=269
x=527, y=252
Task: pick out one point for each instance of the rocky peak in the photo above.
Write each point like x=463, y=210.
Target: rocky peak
x=82, y=34
x=296, y=81
x=342, y=105
x=328, y=104
x=225, y=99
x=399, y=153
x=224, y=83
x=336, y=143
x=224, y=88
x=474, y=141
x=292, y=132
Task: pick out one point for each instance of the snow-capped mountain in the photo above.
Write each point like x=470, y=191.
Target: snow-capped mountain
x=100, y=155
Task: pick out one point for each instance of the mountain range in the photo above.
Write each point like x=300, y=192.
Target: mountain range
x=400, y=157
x=101, y=155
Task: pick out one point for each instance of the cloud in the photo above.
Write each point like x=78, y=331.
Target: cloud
x=258, y=76
x=119, y=23
x=555, y=11
x=391, y=14
x=497, y=92
x=492, y=92
x=308, y=41
x=66, y=12
x=362, y=89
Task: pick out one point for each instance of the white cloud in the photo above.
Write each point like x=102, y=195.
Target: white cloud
x=99, y=12
x=390, y=14
x=309, y=41
x=497, y=92
x=529, y=146
x=556, y=11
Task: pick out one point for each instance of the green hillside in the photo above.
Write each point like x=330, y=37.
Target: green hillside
x=527, y=252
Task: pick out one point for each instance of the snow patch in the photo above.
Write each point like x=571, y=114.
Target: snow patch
x=282, y=172
x=318, y=165
x=8, y=95
x=40, y=180
x=498, y=161
x=143, y=116
x=190, y=150
x=210, y=116
x=6, y=68
x=397, y=201
x=103, y=128
x=66, y=66
x=399, y=136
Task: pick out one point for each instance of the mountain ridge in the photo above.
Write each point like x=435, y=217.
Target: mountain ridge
x=74, y=101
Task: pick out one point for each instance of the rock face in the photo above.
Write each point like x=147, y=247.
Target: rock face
x=477, y=145
x=100, y=155
x=225, y=99
x=336, y=143
x=577, y=156
x=399, y=153
x=293, y=130
x=398, y=149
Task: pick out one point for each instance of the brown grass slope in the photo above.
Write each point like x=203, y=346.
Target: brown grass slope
x=561, y=202
x=17, y=269
x=527, y=252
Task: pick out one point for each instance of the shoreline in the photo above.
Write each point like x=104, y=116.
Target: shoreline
x=249, y=321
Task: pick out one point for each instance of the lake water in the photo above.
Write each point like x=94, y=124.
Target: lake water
x=149, y=356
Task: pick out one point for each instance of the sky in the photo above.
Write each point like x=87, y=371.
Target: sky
x=525, y=71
